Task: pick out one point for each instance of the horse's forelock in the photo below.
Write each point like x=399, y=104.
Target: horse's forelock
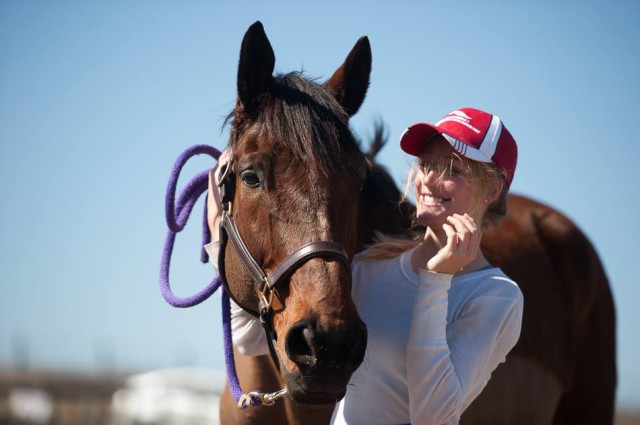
x=304, y=118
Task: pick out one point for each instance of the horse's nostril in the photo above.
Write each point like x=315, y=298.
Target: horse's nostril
x=311, y=346
x=301, y=344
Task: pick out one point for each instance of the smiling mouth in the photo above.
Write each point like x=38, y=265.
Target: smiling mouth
x=431, y=200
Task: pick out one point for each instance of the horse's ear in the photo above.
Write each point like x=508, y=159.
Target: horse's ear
x=256, y=65
x=350, y=82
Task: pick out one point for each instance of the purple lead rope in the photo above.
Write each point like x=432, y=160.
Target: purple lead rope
x=229, y=361
x=177, y=215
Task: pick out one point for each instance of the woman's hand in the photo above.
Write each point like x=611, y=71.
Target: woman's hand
x=463, y=242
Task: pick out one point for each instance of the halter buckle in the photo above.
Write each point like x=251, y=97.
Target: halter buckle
x=267, y=297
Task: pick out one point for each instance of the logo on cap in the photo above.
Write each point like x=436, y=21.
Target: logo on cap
x=460, y=118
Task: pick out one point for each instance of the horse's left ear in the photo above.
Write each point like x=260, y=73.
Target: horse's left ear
x=350, y=82
x=255, y=69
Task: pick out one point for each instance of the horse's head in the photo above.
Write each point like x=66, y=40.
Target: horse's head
x=297, y=176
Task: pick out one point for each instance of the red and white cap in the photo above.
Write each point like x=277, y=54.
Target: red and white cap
x=473, y=133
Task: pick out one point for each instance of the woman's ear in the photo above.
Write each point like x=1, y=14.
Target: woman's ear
x=495, y=191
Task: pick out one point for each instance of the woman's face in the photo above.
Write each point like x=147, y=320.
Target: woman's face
x=444, y=187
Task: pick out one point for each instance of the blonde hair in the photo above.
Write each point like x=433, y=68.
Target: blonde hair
x=483, y=176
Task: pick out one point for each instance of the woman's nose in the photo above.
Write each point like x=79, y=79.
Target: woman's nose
x=429, y=177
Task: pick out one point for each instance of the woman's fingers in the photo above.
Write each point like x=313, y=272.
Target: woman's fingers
x=468, y=235
x=463, y=223
x=462, y=231
x=452, y=235
x=463, y=242
x=475, y=230
x=469, y=222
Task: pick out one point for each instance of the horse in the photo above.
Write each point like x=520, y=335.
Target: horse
x=289, y=225
x=298, y=182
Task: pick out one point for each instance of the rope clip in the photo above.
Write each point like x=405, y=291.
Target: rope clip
x=256, y=398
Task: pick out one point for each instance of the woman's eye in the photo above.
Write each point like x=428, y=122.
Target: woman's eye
x=426, y=166
x=455, y=171
x=251, y=179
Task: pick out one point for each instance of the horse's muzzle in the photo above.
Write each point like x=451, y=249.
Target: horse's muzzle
x=325, y=357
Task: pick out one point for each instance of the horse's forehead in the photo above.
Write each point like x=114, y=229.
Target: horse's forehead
x=321, y=154
x=304, y=134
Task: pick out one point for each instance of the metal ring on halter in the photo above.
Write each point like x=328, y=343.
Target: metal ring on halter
x=267, y=299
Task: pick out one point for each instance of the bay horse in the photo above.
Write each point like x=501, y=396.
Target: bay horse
x=289, y=225
x=301, y=171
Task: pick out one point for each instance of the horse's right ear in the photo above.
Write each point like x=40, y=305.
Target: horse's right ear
x=256, y=65
x=350, y=82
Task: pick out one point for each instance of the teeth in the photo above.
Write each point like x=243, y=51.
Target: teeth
x=430, y=199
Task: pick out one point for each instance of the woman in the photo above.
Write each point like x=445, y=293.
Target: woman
x=440, y=318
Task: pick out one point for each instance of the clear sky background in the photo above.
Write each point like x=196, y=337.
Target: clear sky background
x=97, y=99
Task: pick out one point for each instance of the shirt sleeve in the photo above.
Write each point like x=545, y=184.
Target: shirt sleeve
x=448, y=367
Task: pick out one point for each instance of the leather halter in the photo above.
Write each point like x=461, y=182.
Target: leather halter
x=265, y=283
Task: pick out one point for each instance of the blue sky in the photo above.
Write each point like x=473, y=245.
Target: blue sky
x=98, y=99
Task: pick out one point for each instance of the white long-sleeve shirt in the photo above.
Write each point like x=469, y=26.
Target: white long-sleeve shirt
x=433, y=340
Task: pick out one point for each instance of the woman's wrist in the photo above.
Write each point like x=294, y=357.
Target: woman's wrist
x=434, y=279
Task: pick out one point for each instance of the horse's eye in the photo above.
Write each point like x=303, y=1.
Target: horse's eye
x=250, y=179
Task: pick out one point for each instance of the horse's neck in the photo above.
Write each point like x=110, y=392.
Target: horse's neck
x=382, y=208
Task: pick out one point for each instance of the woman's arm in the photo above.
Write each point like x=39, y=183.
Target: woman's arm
x=447, y=368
